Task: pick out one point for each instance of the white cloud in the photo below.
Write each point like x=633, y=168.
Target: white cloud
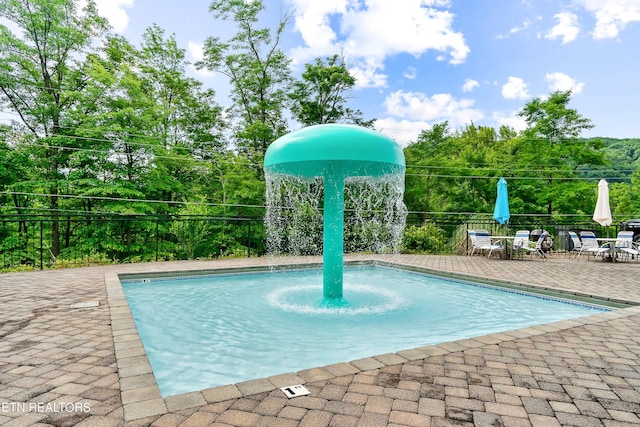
x=410, y=73
x=525, y=24
x=196, y=52
x=510, y=119
x=114, y=11
x=366, y=32
x=439, y=107
x=515, y=88
x=469, y=85
x=567, y=27
x=404, y=132
x=562, y=82
x=611, y=15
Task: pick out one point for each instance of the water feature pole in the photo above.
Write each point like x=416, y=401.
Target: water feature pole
x=333, y=236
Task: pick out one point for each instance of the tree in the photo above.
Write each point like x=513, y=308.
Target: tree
x=42, y=76
x=187, y=123
x=446, y=169
x=551, y=143
x=258, y=72
x=424, y=157
x=154, y=127
x=551, y=120
x=15, y=167
x=321, y=95
x=152, y=123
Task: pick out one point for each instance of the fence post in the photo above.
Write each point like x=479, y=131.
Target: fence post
x=156, y=239
x=466, y=239
x=249, y=239
x=41, y=264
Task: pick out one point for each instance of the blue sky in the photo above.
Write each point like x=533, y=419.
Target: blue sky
x=420, y=62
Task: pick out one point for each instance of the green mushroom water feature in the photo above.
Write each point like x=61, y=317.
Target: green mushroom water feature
x=336, y=154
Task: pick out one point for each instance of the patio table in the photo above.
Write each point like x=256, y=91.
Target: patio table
x=613, y=245
x=505, y=242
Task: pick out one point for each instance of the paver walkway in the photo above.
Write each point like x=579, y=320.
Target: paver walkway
x=65, y=361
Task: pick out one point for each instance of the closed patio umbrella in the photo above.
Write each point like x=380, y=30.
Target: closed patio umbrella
x=602, y=214
x=501, y=211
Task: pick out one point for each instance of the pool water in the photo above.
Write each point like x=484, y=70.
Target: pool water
x=206, y=331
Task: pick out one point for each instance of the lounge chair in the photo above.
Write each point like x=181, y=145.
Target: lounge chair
x=472, y=237
x=521, y=243
x=483, y=242
x=590, y=245
x=577, y=244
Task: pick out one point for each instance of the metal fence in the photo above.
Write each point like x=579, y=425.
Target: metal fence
x=26, y=242
x=454, y=227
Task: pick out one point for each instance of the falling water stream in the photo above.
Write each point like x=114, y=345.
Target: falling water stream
x=375, y=214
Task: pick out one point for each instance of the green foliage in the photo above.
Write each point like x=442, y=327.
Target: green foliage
x=551, y=120
x=454, y=172
x=622, y=160
x=426, y=239
x=258, y=72
x=457, y=171
x=551, y=141
x=321, y=95
x=191, y=232
x=43, y=78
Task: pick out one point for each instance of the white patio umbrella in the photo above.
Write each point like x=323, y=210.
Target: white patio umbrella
x=602, y=214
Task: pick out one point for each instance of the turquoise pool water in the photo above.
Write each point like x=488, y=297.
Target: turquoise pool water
x=206, y=331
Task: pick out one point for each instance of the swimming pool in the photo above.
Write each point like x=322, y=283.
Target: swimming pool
x=205, y=331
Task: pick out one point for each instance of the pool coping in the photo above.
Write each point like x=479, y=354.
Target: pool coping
x=141, y=396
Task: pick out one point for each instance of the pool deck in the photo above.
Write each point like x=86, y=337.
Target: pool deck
x=70, y=355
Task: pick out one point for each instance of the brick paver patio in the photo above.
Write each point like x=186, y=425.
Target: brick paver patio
x=69, y=355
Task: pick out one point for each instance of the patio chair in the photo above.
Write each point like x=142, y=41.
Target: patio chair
x=474, y=241
x=521, y=244
x=539, y=249
x=625, y=245
x=483, y=243
x=577, y=243
x=590, y=245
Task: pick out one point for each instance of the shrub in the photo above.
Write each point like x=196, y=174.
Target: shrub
x=427, y=238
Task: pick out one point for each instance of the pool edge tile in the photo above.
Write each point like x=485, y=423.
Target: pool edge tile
x=143, y=409
x=390, y=359
x=143, y=397
x=315, y=374
x=411, y=354
x=140, y=394
x=286, y=379
x=221, y=393
x=367, y=364
x=341, y=369
x=182, y=401
x=255, y=386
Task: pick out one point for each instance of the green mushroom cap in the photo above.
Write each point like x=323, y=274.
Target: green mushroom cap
x=348, y=150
